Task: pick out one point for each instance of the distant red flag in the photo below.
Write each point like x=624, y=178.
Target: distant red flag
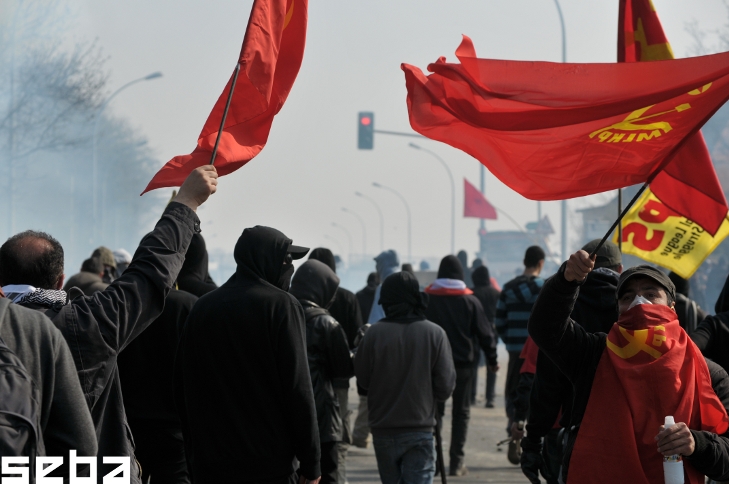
x=554, y=131
x=688, y=184
x=475, y=204
x=270, y=59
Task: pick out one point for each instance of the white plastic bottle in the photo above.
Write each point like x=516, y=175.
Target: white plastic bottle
x=672, y=464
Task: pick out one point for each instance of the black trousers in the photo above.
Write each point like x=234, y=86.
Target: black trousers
x=461, y=414
x=512, y=381
x=329, y=462
x=161, y=453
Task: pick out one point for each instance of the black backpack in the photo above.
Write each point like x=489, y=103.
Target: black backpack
x=20, y=433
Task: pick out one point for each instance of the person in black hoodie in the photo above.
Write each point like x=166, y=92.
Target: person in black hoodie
x=194, y=276
x=315, y=286
x=346, y=310
x=146, y=368
x=489, y=297
x=547, y=391
x=242, y=383
x=454, y=308
x=712, y=334
x=366, y=295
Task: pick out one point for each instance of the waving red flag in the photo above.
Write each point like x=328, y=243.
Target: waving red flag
x=270, y=59
x=475, y=204
x=688, y=184
x=554, y=131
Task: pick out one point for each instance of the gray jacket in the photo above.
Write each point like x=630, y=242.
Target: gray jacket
x=405, y=367
x=65, y=419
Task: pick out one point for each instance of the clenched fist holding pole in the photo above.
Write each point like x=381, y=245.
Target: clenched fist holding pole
x=579, y=265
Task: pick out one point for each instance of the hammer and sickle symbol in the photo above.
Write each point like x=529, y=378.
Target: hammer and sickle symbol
x=637, y=342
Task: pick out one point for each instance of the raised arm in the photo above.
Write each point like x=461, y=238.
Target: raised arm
x=134, y=300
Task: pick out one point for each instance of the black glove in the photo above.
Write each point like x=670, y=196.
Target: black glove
x=531, y=459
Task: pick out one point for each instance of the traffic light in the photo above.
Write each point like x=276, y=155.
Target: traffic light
x=366, y=131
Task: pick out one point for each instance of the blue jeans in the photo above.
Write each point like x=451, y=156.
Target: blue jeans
x=407, y=458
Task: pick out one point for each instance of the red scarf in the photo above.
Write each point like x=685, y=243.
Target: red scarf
x=649, y=369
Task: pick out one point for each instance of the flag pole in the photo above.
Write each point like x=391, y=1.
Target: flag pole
x=620, y=218
x=620, y=225
x=225, y=113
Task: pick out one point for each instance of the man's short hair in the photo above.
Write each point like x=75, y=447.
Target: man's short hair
x=33, y=258
x=533, y=256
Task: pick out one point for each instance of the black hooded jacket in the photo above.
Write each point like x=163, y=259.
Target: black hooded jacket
x=345, y=307
x=194, y=276
x=315, y=286
x=242, y=382
x=463, y=319
x=485, y=292
x=596, y=309
x=712, y=334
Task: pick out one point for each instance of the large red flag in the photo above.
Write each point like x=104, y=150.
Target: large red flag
x=688, y=184
x=270, y=59
x=554, y=131
x=475, y=204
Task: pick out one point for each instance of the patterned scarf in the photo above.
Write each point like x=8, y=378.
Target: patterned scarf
x=25, y=294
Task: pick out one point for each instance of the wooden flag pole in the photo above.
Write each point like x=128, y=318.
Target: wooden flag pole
x=225, y=113
x=439, y=460
x=620, y=218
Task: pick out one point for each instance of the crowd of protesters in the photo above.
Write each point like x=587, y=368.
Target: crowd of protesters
x=144, y=356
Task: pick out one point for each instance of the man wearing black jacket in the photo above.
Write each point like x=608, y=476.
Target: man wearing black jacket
x=712, y=334
x=454, y=308
x=619, y=404
x=242, y=383
x=315, y=286
x=551, y=391
x=97, y=328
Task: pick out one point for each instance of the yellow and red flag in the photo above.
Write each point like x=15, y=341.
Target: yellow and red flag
x=273, y=48
x=687, y=185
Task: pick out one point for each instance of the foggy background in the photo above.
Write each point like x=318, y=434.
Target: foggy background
x=61, y=60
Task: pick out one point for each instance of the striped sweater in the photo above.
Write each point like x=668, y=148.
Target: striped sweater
x=513, y=310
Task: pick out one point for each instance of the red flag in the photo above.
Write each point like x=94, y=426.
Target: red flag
x=270, y=59
x=554, y=131
x=475, y=204
x=688, y=184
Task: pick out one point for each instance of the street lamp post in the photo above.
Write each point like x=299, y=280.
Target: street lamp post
x=564, y=202
x=364, y=229
x=97, y=116
x=453, y=194
x=349, y=237
x=407, y=208
x=382, y=218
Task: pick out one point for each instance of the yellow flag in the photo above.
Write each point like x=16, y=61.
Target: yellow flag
x=657, y=234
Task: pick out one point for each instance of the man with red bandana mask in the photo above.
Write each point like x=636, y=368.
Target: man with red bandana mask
x=627, y=381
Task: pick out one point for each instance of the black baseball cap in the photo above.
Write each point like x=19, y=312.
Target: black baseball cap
x=608, y=255
x=647, y=271
x=297, y=252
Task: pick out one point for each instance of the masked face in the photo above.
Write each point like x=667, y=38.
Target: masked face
x=642, y=290
x=287, y=271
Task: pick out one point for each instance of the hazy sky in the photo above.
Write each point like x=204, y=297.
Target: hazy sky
x=311, y=166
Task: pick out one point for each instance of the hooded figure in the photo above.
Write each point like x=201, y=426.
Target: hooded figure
x=405, y=364
x=366, y=295
x=345, y=307
x=712, y=334
x=194, y=276
x=315, y=286
x=242, y=383
x=385, y=264
x=454, y=308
